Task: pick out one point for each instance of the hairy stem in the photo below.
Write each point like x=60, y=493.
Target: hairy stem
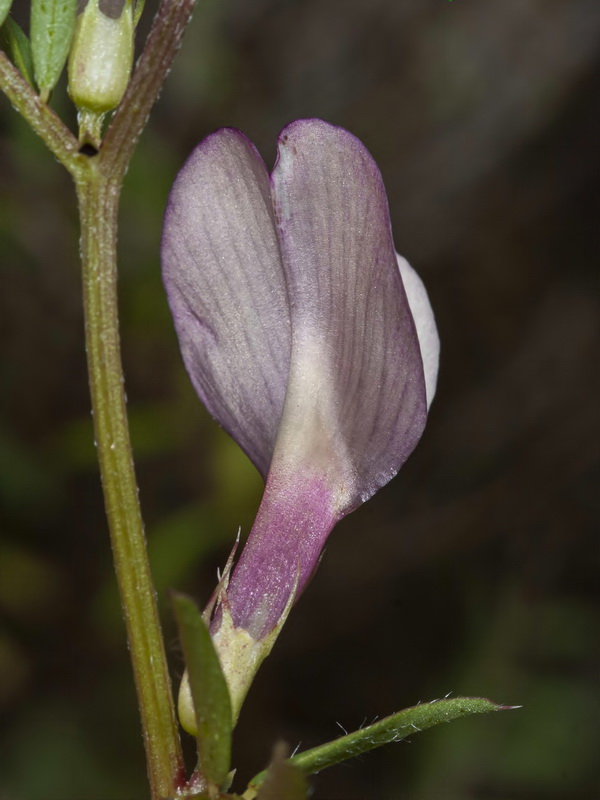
x=98, y=204
x=146, y=82
x=98, y=181
x=98, y=192
x=40, y=117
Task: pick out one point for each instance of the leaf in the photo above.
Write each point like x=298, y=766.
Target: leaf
x=391, y=729
x=16, y=45
x=52, y=28
x=4, y=9
x=209, y=692
x=137, y=11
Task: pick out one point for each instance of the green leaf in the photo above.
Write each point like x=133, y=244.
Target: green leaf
x=137, y=11
x=16, y=46
x=4, y=9
x=52, y=28
x=209, y=692
x=391, y=729
x=283, y=781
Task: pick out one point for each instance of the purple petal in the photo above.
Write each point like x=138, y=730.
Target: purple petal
x=296, y=515
x=225, y=285
x=356, y=401
x=297, y=332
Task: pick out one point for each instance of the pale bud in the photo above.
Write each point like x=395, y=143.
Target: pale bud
x=102, y=55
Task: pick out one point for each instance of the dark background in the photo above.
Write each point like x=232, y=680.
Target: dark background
x=474, y=571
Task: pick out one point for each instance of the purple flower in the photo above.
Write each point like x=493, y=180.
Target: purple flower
x=305, y=336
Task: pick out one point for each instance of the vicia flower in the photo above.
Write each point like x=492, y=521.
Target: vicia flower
x=307, y=339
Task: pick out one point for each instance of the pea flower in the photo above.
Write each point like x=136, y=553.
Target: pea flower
x=307, y=339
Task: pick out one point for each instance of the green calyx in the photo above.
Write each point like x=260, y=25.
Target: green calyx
x=239, y=653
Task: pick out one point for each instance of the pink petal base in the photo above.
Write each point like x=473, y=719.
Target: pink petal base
x=293, y=522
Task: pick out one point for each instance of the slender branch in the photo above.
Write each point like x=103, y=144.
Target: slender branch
x=98, y=193
x=40, y=117
x=98, y=203
x=150, y=72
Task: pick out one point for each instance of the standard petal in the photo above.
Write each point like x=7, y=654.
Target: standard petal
x=429, y=340
x=356, y=401
x=226, y=288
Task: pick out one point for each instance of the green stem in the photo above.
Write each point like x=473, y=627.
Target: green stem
x=98, y=191
x=40, y=117
x=98, y=204
x=98, y=181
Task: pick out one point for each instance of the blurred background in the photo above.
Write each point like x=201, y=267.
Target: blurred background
x=475, y=571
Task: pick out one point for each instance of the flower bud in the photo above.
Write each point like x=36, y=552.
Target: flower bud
x=101, y=55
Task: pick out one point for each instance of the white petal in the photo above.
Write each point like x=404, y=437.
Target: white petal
x=429, y=340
